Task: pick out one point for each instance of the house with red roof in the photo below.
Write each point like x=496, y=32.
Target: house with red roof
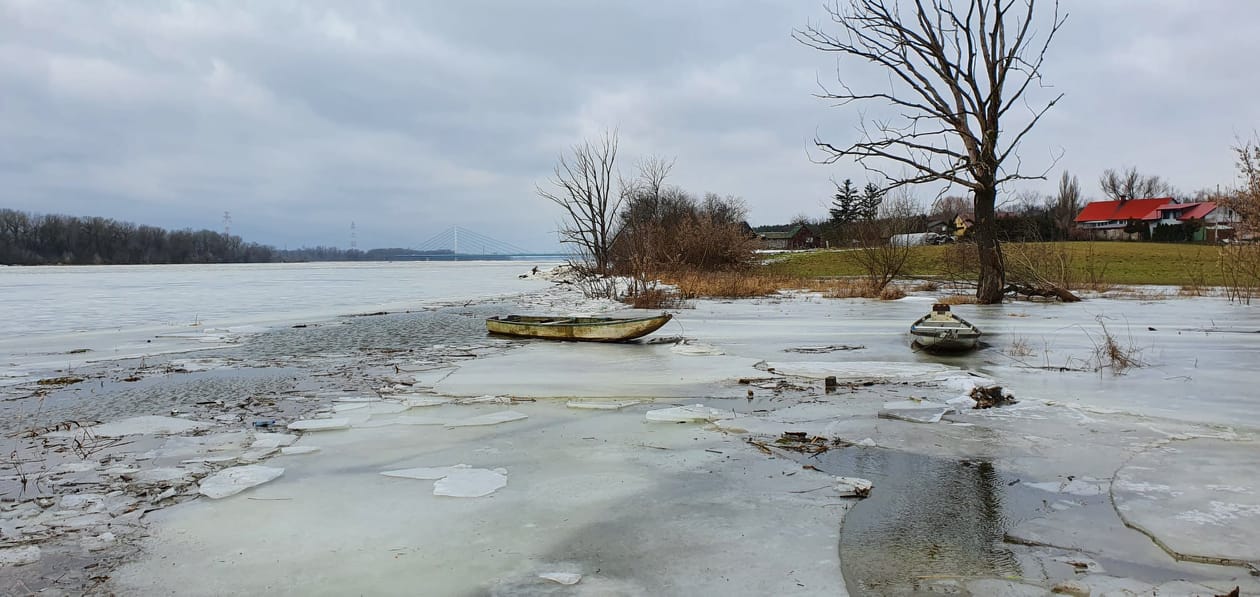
x=1110, y=219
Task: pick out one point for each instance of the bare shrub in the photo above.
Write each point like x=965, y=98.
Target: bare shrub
x=1119, y=355
x=1240, y=268
x=1020, y=348
x=891, y=292
x=654, y=298
x=927, y=286
x=880, y=252
x=959, y=264
x=1040, y=265
x=664, y=228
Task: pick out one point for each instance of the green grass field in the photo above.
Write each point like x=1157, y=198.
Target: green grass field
x=1173, y=264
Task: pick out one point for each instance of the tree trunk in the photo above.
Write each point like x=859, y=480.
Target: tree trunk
x=992, y=282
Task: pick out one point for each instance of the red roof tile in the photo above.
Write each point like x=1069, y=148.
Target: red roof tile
x=1132, y=209
x=1191, y=211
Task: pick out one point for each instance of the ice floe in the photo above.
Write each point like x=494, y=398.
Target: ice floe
x=915, y=411
x=564, y=578
x=460, y=480
x=298, y=450
x=694, y=413
x=147, y=425
x=273, y=440
x=19, y=556
x=505, y=416
x=320, y=424
x=853, y=487
x=231, y=481
x=600, y=404
x=859, y=370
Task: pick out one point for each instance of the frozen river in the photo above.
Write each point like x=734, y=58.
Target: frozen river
x=1069, y=485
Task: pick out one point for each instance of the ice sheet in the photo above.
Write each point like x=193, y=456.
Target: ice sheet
x=231, y=481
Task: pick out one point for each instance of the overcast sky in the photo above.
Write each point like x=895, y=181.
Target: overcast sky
x=407, y=118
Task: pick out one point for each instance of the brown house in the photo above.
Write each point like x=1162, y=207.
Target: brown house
x=794, y=238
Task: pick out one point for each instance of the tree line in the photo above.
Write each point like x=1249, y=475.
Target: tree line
x=36, y=239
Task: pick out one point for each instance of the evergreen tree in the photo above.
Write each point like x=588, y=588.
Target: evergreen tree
x=847, y=205
x=869, y=204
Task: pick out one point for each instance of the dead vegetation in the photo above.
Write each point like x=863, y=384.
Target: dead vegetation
x=64, y=380
x=1020, y=348
x=1113, y=353
x=991, y=396
x=799, y=442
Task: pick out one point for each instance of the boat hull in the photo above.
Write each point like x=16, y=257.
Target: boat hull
x=584, y=329
x=944, y=341
x=943, y=331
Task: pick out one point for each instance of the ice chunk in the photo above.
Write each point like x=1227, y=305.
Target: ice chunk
x=472, y=482
x=149, y=425
x=72, y=467
x=97, y=543
x=356, y=399
x=863, y=370
x=601, y=404
x=564, y=578
x=92, y=502
x=319, y=424
x=487, y=399
x=915, y=411
x=426, y=473
x=423, y=402
x=273, y=440
x=158, y=476
x=1083, y=486
x=688, y=414
x=459, y=480
x=231, y=481
x=504, y=416
x=339, y=408
x=19, y=556
x=853, y=487
x=296, y=450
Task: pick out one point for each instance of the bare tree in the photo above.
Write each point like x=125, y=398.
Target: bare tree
x=1131, y=184
x=586, y=189
x=1245, y=200
x=881, y=254
x=1066, y=204
x=955, y=74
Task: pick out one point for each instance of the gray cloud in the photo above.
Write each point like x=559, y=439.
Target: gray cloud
x=408, y=118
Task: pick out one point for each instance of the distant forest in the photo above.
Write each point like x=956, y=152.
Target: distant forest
x=30, y=239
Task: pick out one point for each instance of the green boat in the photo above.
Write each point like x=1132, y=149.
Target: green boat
x=587, y=329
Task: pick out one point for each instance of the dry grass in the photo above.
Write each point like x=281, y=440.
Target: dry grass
x=891, y=292
x=957, y=299
x=655, y=298
x=694, y=284
x=927, y=286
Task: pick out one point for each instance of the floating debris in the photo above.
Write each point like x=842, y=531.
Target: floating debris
x=991, y=396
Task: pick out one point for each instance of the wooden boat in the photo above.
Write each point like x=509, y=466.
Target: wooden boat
x=591, y=329
x=943, y=331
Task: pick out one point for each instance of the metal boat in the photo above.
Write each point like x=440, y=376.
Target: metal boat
x=941, y=330
x=590, y=329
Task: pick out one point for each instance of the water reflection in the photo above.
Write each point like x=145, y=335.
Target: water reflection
x=927, y=517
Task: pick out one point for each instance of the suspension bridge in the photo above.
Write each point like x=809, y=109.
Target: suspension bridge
x=461, y=244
